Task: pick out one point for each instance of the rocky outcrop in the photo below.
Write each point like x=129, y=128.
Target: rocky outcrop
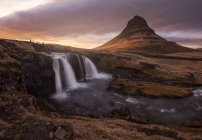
x=11, y=55
x=140, y=38
x=38, y=75
x=23, y=69
x=77, y=63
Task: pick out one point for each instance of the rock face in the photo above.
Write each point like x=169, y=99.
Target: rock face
x=77, y=63
x=38, y=75
x=22, y=68
x=11, y=54
x=139, y=37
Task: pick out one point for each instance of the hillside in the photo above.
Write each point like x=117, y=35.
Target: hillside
x=139, y=37
x=27, y=80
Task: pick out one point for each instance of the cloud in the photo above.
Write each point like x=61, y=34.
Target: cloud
x=76, y=19
x=9, y=7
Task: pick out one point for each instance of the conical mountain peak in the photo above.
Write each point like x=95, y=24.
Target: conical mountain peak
x=137, y=36
x=137, y=25
x=138, y=22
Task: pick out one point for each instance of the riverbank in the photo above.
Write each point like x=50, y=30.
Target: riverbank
x=21, y=118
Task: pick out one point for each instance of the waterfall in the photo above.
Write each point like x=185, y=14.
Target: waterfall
x=77, y=64
x=70, y=68
x=80, y=66
x=58, y=83
x=91, y=70
x=70, y=79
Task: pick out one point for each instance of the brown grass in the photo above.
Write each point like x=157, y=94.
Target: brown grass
x=134, y=88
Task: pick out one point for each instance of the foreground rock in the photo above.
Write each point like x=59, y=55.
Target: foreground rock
x=21, y=119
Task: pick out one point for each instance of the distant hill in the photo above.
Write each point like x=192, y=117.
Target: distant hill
x=199, y=49
x=139, y=37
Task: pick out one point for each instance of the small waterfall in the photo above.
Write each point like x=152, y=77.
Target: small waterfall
x=91, y=70
x=58, y=83
x=70, y=79
x=77, y=64
x=70, y=68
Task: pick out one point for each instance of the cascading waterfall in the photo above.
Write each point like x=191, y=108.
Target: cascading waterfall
x=70, y=68
x=68, y=77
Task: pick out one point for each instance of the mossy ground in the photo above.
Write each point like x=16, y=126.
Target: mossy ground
x=135, y=88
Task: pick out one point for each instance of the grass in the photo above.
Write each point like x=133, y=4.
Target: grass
x=134, y=88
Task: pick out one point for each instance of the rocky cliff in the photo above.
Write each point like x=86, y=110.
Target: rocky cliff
x=22, y=68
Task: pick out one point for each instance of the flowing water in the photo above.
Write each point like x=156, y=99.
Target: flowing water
x=91, y=70
x=58, y=83
x=69, y=78
x=94, y=98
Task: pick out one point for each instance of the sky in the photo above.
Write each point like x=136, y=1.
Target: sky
x=90, y=23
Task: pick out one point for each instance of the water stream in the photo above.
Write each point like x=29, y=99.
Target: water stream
x=94, y=98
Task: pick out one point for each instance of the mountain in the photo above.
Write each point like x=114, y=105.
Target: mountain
x=139, y=37
x=199, y=49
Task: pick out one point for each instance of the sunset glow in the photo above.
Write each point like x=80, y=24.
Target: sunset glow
x=91, y=23
x=8, y=7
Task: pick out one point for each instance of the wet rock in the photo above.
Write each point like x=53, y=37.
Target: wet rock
x=77, y=63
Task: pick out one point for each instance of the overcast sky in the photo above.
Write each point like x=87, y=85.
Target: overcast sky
x=90, y=23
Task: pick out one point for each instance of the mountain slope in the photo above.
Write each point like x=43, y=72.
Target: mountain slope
x=139, y=37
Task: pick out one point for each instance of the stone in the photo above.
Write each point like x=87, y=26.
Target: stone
x=60, y=133
x=51, y=135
